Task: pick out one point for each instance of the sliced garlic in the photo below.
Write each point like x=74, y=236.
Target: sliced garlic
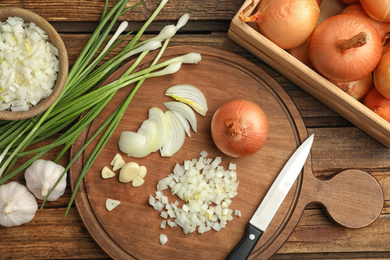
x=190, y=95
x=117, y=162
x=107, y=173
x=142, y=171
x=112, y=204
x=129, y=172
x=138, y=181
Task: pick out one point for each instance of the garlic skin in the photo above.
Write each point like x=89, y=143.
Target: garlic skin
x=41, y=176
x=17, y=205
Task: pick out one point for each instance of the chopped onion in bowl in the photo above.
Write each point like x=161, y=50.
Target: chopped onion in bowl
x=28, y=65
x=206, y=189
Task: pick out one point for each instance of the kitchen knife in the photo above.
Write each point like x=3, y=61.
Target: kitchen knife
x=272, y=201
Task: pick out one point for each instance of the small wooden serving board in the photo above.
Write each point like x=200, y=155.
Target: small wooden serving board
x=131, y=231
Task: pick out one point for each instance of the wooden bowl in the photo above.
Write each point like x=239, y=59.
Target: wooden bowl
x=56, y=40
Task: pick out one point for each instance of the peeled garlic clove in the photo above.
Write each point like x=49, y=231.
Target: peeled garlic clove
x=107, y=173
x=138, y=181
x=112, y=204
x=17, y=205
x=129, y=172
x=41, y=177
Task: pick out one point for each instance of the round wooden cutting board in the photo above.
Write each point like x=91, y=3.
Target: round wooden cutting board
x=131, y=231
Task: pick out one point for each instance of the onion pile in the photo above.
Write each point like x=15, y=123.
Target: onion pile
x=345, y=48
x=357, y=89
x=287, y=23
x=348, y=49
x=382, y=76
x=378, y=103
x=206, y=190
x=356, y=9
x=29, y=65
x=378, y=10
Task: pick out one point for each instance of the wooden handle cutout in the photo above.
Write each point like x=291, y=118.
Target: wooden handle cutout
x=353, y=198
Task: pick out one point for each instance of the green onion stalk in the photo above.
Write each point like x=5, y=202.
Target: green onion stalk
x=16, y=136
x=83, y=94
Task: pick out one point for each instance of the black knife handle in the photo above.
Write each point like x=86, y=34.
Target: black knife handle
x=247, y=243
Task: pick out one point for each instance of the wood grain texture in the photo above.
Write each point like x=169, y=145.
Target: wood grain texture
x=339, y=145
x=91, y=10
x=339, y=203
x=221, y=76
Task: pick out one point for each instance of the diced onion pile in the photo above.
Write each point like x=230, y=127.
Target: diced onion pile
x=28, y=65
x=207, y=189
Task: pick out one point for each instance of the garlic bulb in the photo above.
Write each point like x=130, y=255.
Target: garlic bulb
x=17, y=205
x=41, y=177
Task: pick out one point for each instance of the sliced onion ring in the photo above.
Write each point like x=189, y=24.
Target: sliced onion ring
x=177, y=136
x=185, y=110
x=163, y=126
x=190, y=95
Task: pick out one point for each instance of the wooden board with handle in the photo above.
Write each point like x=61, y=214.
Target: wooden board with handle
x=132, y=229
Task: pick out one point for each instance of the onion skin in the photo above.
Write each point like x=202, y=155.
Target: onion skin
x=378, y=103
x=239, y=128
x=378, y=10
x=350, y=2
x=302, y=53
x=357, y=9
x=382, y=76
x=356, y=89
x=345, y=48
x=287, y=23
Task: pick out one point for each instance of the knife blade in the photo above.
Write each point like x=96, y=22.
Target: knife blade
x=272, y=201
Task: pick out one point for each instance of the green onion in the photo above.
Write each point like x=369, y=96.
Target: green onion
x=83, y=94
x=81, y=80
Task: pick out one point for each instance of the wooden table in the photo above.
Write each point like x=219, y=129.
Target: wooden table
x=339, y=145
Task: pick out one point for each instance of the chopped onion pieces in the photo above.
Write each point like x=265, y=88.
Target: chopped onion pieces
x=28, y=65
x=207, y=190
x=163, y=239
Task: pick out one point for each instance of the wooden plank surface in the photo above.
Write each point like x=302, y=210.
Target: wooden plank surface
x=339, y=145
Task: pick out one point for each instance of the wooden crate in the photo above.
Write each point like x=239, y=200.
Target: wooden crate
x=247, y=35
